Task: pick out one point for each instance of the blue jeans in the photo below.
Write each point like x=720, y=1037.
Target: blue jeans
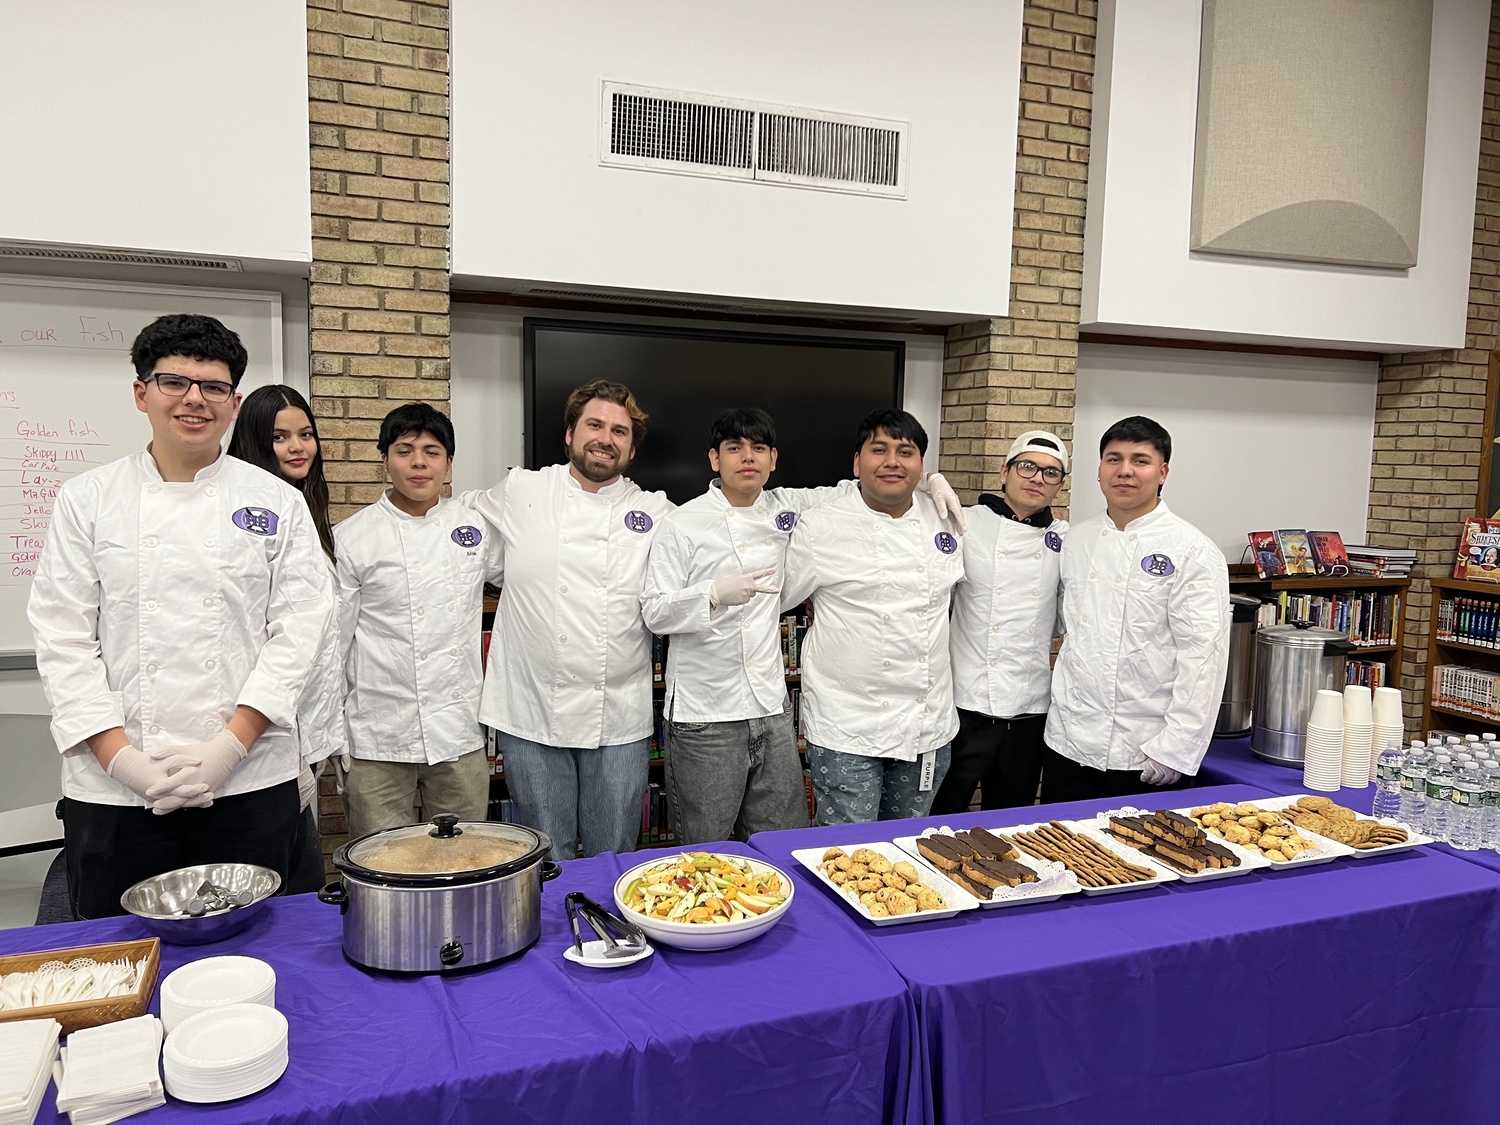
x=851, y=788
x=568, y=793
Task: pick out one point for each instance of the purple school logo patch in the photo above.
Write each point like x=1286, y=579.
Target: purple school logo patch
x=467, y=536
x=1053, y=541
x=1158, y=565
x=945, y=542
x=638, y=522
x=785, y=521
x=257, y=521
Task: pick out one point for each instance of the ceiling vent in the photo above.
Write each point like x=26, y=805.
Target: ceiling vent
x=727, y=138
x=632, y=299
x=38, y=252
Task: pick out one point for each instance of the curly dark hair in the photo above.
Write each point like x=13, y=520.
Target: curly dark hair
x=191, y=335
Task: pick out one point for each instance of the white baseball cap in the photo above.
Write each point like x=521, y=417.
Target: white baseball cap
x=1039, y=441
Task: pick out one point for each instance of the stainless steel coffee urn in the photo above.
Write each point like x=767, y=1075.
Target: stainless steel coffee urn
x=1292, y=663
x=1234, y=711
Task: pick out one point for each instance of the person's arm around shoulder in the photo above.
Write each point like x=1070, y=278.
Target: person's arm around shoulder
x=800, y=577
x=1198, y=620
x=488, y=502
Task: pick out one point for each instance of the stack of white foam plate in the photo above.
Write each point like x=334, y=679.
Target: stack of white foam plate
x=214, y=982
x=1323, y=744
x=225, y=1053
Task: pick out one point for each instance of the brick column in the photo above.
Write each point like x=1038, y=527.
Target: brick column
x=378, y=110
x=1011, y=374
x=1429, y=417
x=378, y=107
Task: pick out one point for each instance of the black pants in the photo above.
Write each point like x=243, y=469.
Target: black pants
x=107, y=848
x=307, y=855
x=1001, y=756
x=1063, y=779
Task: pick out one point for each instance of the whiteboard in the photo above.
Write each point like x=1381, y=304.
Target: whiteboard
x=66, y=403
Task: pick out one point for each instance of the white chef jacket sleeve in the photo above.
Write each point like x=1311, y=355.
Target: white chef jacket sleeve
x=805, y=499
x=346, y=614
x=800, y=576
x=488, y=502
x=297, y=615
x=320, y=715
x=1198, y=619
x=64, y=614
x=669, y=603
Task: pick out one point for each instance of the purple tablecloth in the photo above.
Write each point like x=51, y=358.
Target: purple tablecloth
x=807, y=1017
x=1361, y=991
x=1230, y=761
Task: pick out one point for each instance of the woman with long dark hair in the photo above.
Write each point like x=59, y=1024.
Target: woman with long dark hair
x=276, y=431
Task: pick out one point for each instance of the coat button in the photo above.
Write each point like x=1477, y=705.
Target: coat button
x=598, y=687
x=213, y=491
x=156, y=730
x=209, y=663
x=563, y=638
x=208, y=602
x=151, y=606
x=151, y=541
x=563, y=589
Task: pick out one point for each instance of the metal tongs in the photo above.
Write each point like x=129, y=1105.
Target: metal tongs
x=631, y=939
x=212, y=898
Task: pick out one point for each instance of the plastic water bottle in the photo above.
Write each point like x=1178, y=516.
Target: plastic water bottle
x=1468, y=805
x=1490, y=821
x=1388, y=780
x=1471, y=742
x=1438, y=816
x=1413, y=812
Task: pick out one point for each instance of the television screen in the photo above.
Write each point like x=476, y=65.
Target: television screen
x=817, y=388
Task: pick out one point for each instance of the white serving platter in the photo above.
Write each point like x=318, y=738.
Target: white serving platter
x=1053, y=879
x=1251, y=859
x=958, y=900
x=1163, y=874
x=1413, y=839
x=1323, y=849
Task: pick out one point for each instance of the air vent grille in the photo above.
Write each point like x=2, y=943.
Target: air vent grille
x=727, y=138
x=68, y=254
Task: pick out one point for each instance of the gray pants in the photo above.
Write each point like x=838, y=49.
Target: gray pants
x=729, y=780
x=380, y=795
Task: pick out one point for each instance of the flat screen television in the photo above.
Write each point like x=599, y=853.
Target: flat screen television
x=817, y=388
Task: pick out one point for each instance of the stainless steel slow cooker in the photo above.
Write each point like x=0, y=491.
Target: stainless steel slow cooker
x=442, y=896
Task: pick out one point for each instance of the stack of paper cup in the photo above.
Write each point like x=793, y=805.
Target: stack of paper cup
x=1359, y=731
x=1323, y=745
x=1389, y=726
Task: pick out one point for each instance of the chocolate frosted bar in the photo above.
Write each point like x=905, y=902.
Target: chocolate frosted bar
x=987, y=844
x=1131, y=829
x=1164, y=832
x=1217, y=853
x=997, y=873
x=944, y=852
x=1184, y=859
x=1184, y=826
x=978, y=890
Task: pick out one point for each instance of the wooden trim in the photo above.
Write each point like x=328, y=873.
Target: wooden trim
x=1335, y=582
x=1224, y=346
x=1487, y=435
x=664, y=312
x=1467, y=586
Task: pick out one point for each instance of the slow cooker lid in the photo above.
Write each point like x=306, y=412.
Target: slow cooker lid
x=445, y=847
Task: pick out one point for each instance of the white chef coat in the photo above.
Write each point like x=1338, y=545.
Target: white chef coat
x=411, y=600
x=876, y=675
x=1141, y=671
x=159, y=606
x=1005, y=614
x=570, y=657
x=321, y=732
x=723, y=665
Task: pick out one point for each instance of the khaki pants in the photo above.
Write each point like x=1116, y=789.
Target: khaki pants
x=380, y=795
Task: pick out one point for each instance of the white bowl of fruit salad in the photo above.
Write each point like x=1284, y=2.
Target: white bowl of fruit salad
x=704, y=900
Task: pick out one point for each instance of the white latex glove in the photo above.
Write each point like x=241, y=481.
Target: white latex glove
x=218, y=757
x=741, y=588
x=1154, y=773
x=307, y=788
x=948, y=504
x=341, y=770
x=141, y=773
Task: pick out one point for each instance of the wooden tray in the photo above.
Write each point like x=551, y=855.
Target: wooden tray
x=89, y=1013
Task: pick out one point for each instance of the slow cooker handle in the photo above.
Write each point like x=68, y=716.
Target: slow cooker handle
x=550, y=870
x=335, y=894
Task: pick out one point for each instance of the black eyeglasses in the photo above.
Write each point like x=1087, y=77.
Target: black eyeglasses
x=177, y=386
x=1028, y=469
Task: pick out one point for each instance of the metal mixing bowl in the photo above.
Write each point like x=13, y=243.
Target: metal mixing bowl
x=162, y=901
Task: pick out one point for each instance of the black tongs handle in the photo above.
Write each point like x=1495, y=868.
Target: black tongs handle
x=603, y=921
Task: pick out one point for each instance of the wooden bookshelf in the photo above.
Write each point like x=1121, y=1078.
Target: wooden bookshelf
x=1244, y=580
x=1440, y=651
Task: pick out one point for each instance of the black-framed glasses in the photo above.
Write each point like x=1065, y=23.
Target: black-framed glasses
x=212, y=390
x=1028, y=469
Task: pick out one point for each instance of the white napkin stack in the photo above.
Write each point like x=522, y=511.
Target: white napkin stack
x=27, y=1049
x=110, y=1072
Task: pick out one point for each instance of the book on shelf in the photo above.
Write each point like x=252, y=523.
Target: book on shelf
x=1266, y=553
x=1369, y=673
x=1379, y=562
x=1329, y=556
x=1469, y=690
x=1296, y=555
x=1367, y=617
x=1469, y=620
x=1479, y=551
